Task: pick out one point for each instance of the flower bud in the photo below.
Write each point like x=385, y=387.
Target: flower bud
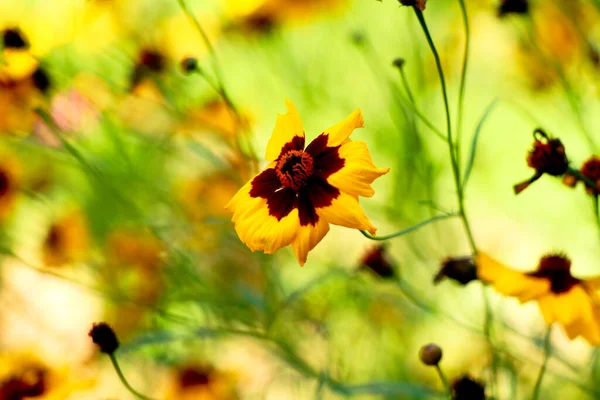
x=104, y=336
x=189, y=64
x=399, y=62
x=467, y=388
x=430, y=354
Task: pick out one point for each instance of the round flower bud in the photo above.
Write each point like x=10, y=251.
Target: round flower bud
x=104, y=336
x=399, y=62
x=430, y=354
x=189, y=64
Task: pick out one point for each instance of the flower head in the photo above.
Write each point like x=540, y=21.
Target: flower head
x=304, y=189
x=467, y=388
x=104, y=336
x=203, y=382
x=591, y=170
x=420, y=4
x=561, y=297
x=430, y=354
x=66, y=240
x=461, y=270
x=513, y=7
x=548, y=156
x=376, y=260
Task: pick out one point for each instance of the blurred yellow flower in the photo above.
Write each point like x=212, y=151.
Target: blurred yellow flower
x=133, y=248
x=302, y=191
x=24, y=376
x=10, y=183
x=561, y=297
x=215, y=116
x=266, y=13
x=201, y=382
x=66, y=241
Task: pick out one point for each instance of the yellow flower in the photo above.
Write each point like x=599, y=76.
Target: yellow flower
x=66, y=240
x=264, y=13
x=24, y=376
x=561, y=297
x=201, y=382
x=10, y=183
x=302, y=191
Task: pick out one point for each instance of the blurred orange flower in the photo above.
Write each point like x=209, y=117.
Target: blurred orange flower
x=561, y=297
x=10, y=183
x=66, y=241
x=201, y=382
x=302, y=191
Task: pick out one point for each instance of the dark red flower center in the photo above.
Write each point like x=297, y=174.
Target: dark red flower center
x=299, y=179
x=31, y=383
x=557, y=269
x=591, y=170
x=548, y=157
x=14, y=38
x=54, y=238
x=4, y=183
x=190, y=377
x=294, y=168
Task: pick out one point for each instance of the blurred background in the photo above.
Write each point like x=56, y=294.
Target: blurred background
x=116, y=161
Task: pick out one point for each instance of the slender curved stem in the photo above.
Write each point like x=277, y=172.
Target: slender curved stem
x=463, y=77
x=547, y=353
x=443, y=379
x=409, y=229
x=134, y=392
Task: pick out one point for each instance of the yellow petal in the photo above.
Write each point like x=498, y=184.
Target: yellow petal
x=510, y=282
x=286, y=128
x=256, y=228
x=587, y=319
x=307, y=238
x=358, y=172
x=17, y=64
x=345, y=211
x=342, y=130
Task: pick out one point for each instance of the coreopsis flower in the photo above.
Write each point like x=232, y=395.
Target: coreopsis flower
x=591, y=170
x=548, y=156
x=458, y=269
x=66, y=240
x=562, y=298
x=304, y=189
x=467, y=388
x=10, y=183
x=263, y=15
x=24, y=375
x=104, y=337
x=201, y=382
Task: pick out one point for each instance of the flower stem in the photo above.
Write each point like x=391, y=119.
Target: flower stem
x=443, y=379
x=463, y=76
x=134, y=392
x=409, y=229
x=547, y=353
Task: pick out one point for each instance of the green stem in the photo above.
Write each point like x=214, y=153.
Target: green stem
x=418, y=113
x=438, y=64
x=409, y=229
x=547, y=353
x=443, y=379
x=463, y=76
x=134, y=392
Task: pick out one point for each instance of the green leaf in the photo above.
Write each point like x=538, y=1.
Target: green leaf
x=469, y=166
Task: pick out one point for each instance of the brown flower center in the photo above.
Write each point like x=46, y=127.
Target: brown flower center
x=591, y=170
x=294, y=168
x=31, y=383
x=557, y=269
x=548, y=155
x=194, y=377
x=4, y=183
